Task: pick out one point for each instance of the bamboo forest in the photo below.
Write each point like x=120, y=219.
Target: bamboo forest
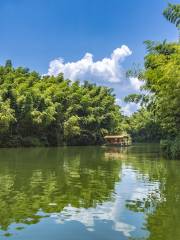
x=90, y=148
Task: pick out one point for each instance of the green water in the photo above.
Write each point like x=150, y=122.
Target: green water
x=89, y=193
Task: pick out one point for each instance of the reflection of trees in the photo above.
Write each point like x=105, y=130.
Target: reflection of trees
x=164, y=222
x=33, y=180
x=162, y=207
x=115, y=152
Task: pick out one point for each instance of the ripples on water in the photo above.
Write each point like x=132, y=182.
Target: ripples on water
x=89, y=193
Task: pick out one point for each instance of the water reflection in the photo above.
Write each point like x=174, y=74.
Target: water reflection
x=92, y=192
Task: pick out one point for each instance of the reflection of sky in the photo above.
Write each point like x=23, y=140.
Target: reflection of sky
x=107, y=221
x=128, y=223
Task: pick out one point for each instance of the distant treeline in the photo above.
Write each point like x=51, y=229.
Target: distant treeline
x=40, y=110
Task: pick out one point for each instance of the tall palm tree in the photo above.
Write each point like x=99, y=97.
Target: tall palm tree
x=172, y=14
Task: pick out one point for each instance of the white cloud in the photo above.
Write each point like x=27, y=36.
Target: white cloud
x=119, y=101
x=107, y=69
x=130, y=108
x=127, y=108
x=135, y=83
x=106, y=211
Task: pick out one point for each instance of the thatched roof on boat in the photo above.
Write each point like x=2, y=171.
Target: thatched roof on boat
x=116, y=136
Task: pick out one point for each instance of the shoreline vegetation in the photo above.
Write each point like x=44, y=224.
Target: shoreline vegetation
x=51, y=111
x=159, y=114
x=40, y=110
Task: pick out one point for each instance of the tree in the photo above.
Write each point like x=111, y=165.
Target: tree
x=8, y=64
x=52, y=110
x=6, y=115
x=160, y=100
x=172, y=14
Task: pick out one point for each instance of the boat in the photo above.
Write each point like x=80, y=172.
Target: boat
x=118, y=140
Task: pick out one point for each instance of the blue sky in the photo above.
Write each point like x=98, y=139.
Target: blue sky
x=35, y=32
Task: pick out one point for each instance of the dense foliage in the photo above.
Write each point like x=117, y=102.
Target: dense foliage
x=47, y=110
x=78, y=177
x=143, y=127
x=160, y=100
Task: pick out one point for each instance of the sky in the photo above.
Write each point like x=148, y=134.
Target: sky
x=95, y=40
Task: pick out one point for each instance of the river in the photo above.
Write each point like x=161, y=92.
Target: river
x=89, y=193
